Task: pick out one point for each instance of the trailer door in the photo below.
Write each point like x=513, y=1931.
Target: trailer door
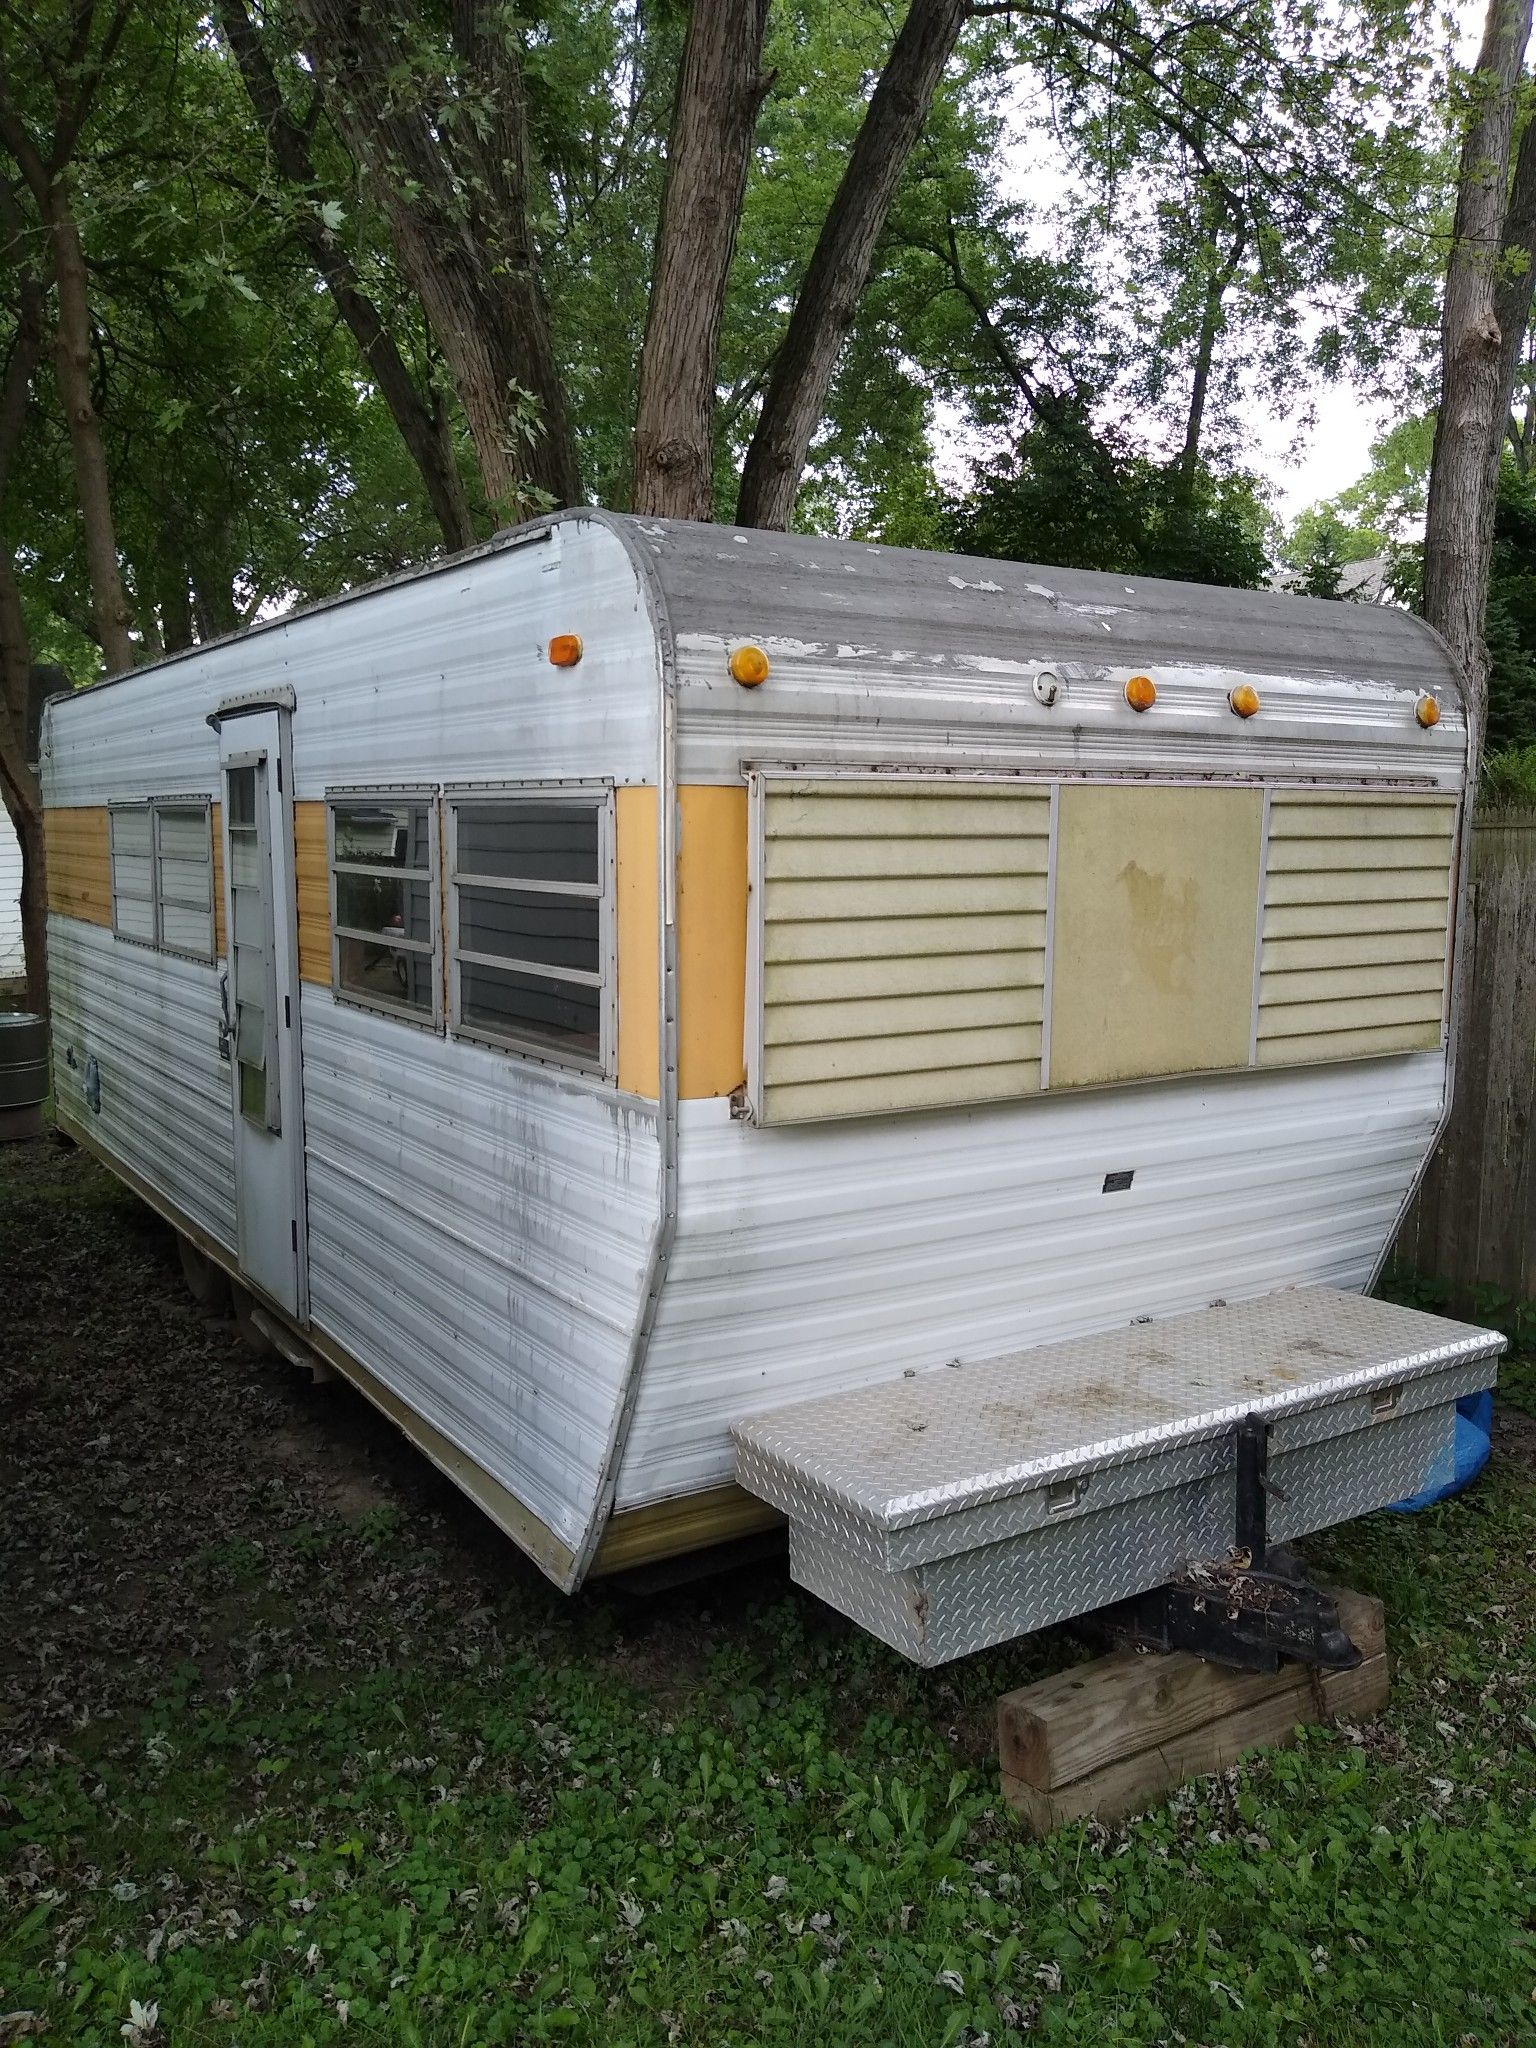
x=262, y=1000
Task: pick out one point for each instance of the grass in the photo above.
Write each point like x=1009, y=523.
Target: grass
x=294, y=1750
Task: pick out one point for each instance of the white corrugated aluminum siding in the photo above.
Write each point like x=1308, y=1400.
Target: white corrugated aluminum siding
x=479, y=1227
x=12, y=960
x=821, y=1256
x=441, y=676
x=151, y=1023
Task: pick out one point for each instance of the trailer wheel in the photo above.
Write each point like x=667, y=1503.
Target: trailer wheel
x=207, y=1283
x=251, y=1335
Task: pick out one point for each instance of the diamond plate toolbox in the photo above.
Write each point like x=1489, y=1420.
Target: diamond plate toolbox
x=954, y=1509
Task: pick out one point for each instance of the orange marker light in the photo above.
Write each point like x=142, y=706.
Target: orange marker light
x=749, y=666
x=1244, y=700
x=1427, y=711
x=1141, y=693
x=565, y=650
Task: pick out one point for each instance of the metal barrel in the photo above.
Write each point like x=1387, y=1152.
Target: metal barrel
x=23, y=1075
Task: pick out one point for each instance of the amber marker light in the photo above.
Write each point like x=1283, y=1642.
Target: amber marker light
x=1141, y=693
x=565, y=650
x=1244, y=700
x=1427, y=711
x=749, y=666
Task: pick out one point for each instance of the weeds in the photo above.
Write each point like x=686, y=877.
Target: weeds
x=297, y=1753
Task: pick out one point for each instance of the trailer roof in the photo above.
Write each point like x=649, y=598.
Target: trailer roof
x=745, y=582
x=741, y=582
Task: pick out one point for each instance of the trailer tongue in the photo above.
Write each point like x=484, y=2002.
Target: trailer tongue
x=965, y=1506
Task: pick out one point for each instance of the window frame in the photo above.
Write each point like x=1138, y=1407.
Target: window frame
x=150, y=807
x=597, y=797
x=350, y=798
x=259, y=766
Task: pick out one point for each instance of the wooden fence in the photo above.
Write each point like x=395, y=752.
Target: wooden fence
x=1474, y=1220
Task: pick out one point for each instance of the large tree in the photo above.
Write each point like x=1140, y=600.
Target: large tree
x=1477, y=367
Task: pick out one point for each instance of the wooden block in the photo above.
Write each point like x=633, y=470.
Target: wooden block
x=1108, y=1738
x=1081, y=1719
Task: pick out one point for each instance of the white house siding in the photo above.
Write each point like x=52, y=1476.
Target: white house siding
x=12, y=964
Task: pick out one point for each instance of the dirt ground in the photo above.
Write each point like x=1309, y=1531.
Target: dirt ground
x=149, y=1461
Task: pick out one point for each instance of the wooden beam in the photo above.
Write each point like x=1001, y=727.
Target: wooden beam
x=1108, y=1738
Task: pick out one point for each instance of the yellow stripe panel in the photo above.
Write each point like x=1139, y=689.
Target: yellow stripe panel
x=77, y=846
x=903, y=945
x=639, y=1001
x=314, y=893
x=711, y=939
x=1357, y=908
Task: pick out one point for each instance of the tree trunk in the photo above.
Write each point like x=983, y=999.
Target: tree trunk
x=1458, y=526
x=175, y=598
x=19, y=788
x=718, y=94
x=72, y=360
x=844, y=256
x=1211, y=323
x=454, y=188
x=19, y=785
x=1517, y=278
x=420, y=424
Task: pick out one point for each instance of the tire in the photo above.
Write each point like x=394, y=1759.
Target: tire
x=207, y=1283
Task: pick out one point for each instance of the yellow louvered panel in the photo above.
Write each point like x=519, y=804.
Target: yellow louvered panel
x=1343, y=858
x=1364, y=978
x=903, y=945
x=943, y=1088
x=915, y=1052
x=1397, y=884
x=822, y=859
x=826, y=981
x=915, y=937
x=1346, y=1045
x=825, y=811
x=1346, y=814
x=1341, y=949
x=904, y=896
x=1357, y=901
x=889, y=1017
x=1360, y=917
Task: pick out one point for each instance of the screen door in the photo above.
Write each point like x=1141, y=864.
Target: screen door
x=263, y=1002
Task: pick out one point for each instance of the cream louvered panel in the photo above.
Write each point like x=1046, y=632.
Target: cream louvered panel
x=1357, y=901
x=903, y=945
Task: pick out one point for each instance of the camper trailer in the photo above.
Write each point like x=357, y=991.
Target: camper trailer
x=706, y=1026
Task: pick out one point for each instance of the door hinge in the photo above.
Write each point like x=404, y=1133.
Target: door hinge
x=293, y=1233
x=288, y=1012
x=279, y=774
